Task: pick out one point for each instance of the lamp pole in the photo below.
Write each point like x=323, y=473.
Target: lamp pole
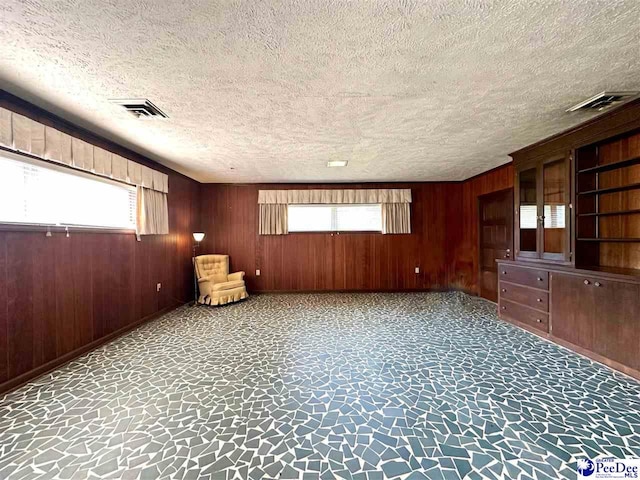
x=197, y=236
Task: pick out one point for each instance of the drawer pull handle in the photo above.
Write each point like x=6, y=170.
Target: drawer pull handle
x=504, y=308
x=503, y=272
x=539, y=279
x=587, y=282
x=539, y=299
x=538, y=320
x=504, y=290
x=598, y=284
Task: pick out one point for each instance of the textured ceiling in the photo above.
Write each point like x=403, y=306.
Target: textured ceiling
x=270, y=91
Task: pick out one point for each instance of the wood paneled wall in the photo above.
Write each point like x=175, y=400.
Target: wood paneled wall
x=464, y=255
x=61, y=296
x=321, y=261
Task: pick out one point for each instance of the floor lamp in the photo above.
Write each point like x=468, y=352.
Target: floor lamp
x=197, y=236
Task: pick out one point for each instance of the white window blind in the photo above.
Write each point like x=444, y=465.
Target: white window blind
x=335, y=218
x=554, y=216
x=528, y=216
x=41, y=194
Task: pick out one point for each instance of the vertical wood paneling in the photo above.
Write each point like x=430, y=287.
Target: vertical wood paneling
x=43, y=307
x=65, y=296
x=4, y=369
x=20, y=296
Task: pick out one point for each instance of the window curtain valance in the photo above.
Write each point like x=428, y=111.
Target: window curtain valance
x=395, y=204
x=287, y=197
x=21, y=134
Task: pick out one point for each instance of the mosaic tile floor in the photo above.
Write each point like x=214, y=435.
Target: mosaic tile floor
x=353, y=386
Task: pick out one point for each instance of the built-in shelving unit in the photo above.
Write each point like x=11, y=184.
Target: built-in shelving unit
x=607, y=183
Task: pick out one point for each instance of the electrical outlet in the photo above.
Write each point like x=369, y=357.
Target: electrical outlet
x=257, y=273
x=158, y=287
x=417, y=269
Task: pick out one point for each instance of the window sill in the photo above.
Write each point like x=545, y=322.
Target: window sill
x=27, y=227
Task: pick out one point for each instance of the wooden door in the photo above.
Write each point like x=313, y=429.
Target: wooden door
x=496, y=238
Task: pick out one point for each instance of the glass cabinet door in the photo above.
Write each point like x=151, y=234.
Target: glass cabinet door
x=528, y=212
x=554, y=214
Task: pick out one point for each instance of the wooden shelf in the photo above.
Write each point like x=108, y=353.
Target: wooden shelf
x=614, y=240
x=623, y=188
x=608, y=214
x=611, y=166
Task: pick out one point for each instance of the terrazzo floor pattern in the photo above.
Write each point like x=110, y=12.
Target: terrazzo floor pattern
x=361, y=386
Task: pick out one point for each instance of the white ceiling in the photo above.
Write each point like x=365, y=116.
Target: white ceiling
x=270, y=91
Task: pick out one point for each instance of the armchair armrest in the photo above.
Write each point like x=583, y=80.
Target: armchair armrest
x=235, y=276
x=205, y=284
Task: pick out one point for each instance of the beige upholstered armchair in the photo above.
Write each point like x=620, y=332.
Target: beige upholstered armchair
x=216, y=285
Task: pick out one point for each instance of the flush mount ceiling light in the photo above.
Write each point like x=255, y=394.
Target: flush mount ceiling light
x=140, y=107
x=337, y=163
x=603, y=100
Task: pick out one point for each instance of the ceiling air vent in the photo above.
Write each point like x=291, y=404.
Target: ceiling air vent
x=140, y=108
x=603, y=100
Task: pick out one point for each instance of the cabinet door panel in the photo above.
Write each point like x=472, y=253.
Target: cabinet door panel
x=572, y=310
x=617, y=331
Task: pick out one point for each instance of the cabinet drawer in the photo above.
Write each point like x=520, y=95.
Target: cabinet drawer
x=524, y=315
x=525, y=296
x=524, y=276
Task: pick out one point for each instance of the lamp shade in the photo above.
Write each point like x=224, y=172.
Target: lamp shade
x=198, y=236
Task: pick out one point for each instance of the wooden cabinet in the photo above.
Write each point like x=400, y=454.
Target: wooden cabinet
x=595, y=313
x=542, y=200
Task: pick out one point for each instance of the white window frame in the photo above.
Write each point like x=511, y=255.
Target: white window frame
x=334, y=220
x=37, y=162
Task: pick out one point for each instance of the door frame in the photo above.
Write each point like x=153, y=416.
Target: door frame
x=510, y=190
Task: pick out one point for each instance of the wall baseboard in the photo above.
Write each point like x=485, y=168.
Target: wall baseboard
x=44, y=369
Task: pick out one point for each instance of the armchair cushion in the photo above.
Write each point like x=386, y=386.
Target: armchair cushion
x=227, y=285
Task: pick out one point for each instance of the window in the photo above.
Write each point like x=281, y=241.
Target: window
x=33, y=193
x=335, y=218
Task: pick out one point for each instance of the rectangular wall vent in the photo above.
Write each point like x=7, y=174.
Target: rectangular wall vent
x=140, y=107
x=603, y=100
